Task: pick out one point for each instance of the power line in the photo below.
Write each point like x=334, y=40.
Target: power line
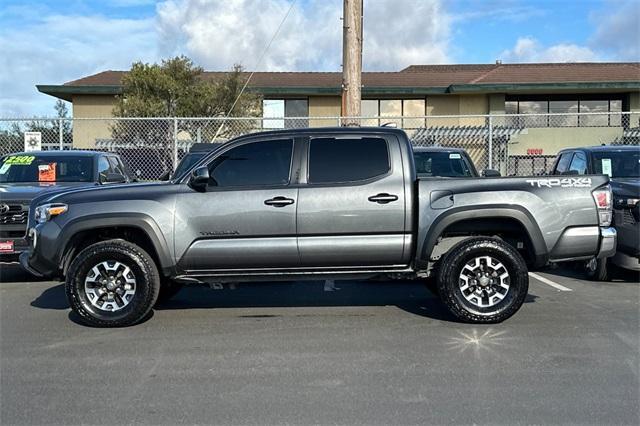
x=264, y=52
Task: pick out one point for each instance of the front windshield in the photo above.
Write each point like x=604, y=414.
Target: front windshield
x=617, y=164
x=34, y=168
x=441, y=164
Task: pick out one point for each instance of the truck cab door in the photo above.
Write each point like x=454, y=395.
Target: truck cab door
x=351, y=202
x=246, y=218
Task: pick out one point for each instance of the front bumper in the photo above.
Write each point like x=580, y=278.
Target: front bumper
x=19, y=245
x=608, y=240
x=625, y=261
x=41, y=258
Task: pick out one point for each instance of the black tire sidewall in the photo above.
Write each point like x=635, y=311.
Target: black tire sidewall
x=141, y=266
x=467, y=250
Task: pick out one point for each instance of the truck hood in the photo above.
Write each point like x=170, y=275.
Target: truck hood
x=119, y=192
x=626, y=187
x=30, y=191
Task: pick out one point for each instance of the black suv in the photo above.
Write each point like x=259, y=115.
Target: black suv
x=27, y=175
x=622, y=164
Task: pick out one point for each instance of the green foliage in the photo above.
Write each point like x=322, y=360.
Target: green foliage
x=177, y=88
x=12, y=139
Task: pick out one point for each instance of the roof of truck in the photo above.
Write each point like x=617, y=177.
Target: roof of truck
x=70, y=153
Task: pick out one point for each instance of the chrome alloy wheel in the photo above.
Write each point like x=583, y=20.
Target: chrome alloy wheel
x=110, y=286
x=484, y=281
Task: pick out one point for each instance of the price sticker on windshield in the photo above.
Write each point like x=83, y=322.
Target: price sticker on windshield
x=47, y=172
x=606, y=166
x=454, y=156
x=19, y=160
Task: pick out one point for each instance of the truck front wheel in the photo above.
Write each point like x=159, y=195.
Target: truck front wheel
x=112, y=284
x=483, y=280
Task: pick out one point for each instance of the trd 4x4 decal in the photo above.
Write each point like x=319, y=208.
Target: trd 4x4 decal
x=581, y=182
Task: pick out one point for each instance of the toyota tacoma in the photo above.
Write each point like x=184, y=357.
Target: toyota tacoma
x=306, y=204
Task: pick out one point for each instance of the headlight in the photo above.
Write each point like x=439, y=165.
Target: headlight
x=45, y=212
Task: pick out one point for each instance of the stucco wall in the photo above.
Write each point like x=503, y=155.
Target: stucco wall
x=553, y=139
x=85, y=132
x=324, y=106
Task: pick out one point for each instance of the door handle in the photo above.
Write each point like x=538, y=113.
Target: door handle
x=279, y=201
x=383, y=198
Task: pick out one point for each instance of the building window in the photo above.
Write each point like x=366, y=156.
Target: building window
x=562, y=104
x=394, y=109
x=279, y=108
x=563, y=107
x=369, y=108
x=413, y=108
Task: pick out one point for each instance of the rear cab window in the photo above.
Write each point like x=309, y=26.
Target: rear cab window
x=340, y=160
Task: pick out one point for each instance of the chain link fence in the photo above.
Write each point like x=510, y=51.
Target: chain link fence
x=514, y=144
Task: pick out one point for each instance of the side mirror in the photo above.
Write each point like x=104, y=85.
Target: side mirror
x=490, y=173
x=165, y=176
x=199, y=178
x=112, y=178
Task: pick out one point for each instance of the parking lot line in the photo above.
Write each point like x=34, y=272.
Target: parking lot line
x=549, y=282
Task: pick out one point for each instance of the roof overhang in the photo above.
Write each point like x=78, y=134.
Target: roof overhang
x=67, y=92
x=573, y=87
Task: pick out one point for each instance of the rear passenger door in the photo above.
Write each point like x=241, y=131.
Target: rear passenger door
x=351, y=202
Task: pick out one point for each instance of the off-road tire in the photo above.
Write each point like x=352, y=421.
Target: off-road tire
x=142, y=266
x=600, y=272
x=168, y=289
x=448, y=279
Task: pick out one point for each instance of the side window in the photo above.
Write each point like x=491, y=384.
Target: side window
x=253, y=164
x=579, y=163
x=347, y=160
x=103, y=167
x=563, y=163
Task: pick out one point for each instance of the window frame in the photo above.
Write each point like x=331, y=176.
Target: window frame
x=206, y=162
x=307, y=156
x=586, y=162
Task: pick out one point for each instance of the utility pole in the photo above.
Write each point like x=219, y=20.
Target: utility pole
x=351, y=61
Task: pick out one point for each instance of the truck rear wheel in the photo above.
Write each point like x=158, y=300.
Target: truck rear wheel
x=483, y=280
x=112, y=284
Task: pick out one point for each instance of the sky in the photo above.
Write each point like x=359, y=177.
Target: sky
x=52, y=42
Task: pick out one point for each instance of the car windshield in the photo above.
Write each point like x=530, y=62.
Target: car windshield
x=27, y=168
x=441, y=164
x=617, y=164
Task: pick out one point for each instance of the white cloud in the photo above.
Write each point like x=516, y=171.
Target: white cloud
x=60, y=48
x=528, y=49
x=618, y=33
x=219, y=33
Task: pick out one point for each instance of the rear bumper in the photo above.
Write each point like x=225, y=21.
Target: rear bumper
x=608, y=240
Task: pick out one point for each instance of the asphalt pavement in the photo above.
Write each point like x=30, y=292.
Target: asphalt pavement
x=312, y=353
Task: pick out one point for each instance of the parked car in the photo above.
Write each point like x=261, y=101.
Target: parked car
x=304, y=204
x=436, y=161
x=197, y=151
x=25, y=175
x=622, y=164
x=433, y=161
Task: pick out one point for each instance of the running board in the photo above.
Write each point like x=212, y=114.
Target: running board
x=203, y=277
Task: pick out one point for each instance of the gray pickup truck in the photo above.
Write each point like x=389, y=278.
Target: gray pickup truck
x=306, y=204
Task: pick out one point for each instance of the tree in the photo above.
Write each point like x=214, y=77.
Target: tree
x=12, y=140
x=177, y=88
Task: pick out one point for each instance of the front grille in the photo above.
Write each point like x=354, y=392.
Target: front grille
x=13, y=223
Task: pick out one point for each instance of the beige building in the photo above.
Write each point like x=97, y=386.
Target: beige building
x=444, y=92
